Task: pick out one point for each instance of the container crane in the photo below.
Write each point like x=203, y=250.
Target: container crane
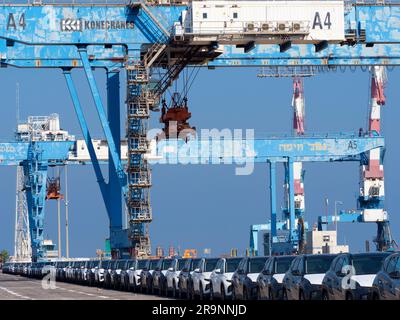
x=143, y=40
x=371, y=198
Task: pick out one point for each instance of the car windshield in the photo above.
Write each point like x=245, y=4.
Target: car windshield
x=153, y=264
x=210, y=264
x=368, y=263
x=318, y=264
x=232, y=264
x=195, y=264
x=166, y=264
x=181, y=264
x=283, y=264
x=142, y=264
x=256, y=265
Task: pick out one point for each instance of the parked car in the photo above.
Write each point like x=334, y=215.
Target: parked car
x=134, y=273
x=172, y=276
x=6, y=267
x=115, y=279
x=184, y=284
x=99, y=272
x=270, y=278
x=244, y=279
x=221, y=278
x=70, y=271
x=60, y=270
x=386, y=285
x=201, y=278
x=351, y=276
x=159, y=276
x=303, y=280
x=79, y=271
x=107, y=273
x=146, y=276
x=90, y=275
x=124, y=276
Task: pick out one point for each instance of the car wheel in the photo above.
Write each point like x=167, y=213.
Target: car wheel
x=245, y=294
x=325, y=295
x=284, y=294
x=173, y=294
x=302, y=296
x=270, y=294
x=259, y=297
x=165, y=287
x=375, y=296
x=223, y=297
x=212, y=293
x=233, y=294
x=349, y=296
x=201, y=293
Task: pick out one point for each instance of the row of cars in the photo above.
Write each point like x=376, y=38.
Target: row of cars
x=344, y=276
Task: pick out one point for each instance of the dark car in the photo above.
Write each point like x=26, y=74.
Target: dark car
x=159, y=278
x=90, y=271
x=244, y=279
x=146, y=276
x=386, y=285
x=303, y=280
x=60, y=270
x=124, y=276
x=351, y=275
x=185, y=284
x=115, y=273
x=270, y=279
x=107, y=273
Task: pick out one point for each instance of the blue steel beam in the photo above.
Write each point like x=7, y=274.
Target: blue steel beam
x=53, y=152
x=292, y=218
x=304, y=149
x=85, y=130
x=114, y=194
x=42, y=28
x=272, y=194
x=114, y=152
x=116, y=24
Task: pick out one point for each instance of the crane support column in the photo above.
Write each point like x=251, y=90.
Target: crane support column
x=114, y=191
x=272, y=194
x=102, y=115
x=85, y=132
x=35, y=172
x=372, y=190
x=292, y=215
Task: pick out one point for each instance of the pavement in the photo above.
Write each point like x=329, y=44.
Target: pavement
x=14, y=287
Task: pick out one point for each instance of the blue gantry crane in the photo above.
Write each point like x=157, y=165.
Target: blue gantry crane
x=154, y=43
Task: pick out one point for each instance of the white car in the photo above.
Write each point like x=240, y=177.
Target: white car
x=134, y=273
x=90, y=270
x=124, y=276
x=172, y=276
x=201, y=278
x=69, y=271
x=221, y=278
x=99, y=273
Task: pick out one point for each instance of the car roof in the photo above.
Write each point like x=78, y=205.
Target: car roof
x=370, y=254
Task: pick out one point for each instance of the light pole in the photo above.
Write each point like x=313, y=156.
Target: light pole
x=337, y=202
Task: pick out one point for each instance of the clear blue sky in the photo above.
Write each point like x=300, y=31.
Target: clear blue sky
x=208, y=206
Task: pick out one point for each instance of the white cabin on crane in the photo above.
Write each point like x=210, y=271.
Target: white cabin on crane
x=237, y=22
